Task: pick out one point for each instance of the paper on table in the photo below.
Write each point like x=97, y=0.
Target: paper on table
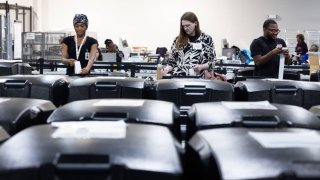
x=192, y=72
x=77, y=67
x=249, y=105
x=117, y=102
x=10, y=61
x=90, y=129
x=304, y=139
x=4, y=100
x=281, y=66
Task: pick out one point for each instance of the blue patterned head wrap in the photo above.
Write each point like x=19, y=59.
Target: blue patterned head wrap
x=80, y=18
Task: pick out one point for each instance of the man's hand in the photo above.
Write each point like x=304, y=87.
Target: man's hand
x=277, y=50
x=285, y=51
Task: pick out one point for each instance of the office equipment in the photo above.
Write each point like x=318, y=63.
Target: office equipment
x=154, y=58
x=229, y=53
x=161, y=51
x=124, y=47
x=124, y=43
x=109, y=57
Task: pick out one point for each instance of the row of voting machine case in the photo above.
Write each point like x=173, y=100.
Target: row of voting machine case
x=98, y=139
x=253, y=140
x=135, y=139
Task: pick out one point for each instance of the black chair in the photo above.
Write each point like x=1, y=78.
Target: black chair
x=161, y=51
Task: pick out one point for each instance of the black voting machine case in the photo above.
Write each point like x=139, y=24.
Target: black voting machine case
x=12, y=68
x=48, y=87
x=315, y=76
x=185, y=92
x=223, y=147
x=249, y=114
x=299, y=93
x=20, y=113
x=106, y=87
x=235, y=153
x=146, y=152
x=131, y=110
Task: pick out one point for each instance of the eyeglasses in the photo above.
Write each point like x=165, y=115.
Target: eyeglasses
x=274, y=30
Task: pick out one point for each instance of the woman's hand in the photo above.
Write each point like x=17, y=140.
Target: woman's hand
x=166, y=70
x=85, y=71
x=69, y=61
x=214, y=75
x=199, y=67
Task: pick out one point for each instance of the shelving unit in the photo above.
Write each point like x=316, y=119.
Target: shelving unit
x=312, y=37
x=289, y=35
x=46, y=45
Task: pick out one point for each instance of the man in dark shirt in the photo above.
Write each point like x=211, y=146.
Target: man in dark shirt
x=266, y=51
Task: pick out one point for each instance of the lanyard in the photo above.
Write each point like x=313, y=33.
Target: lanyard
x=79, y=49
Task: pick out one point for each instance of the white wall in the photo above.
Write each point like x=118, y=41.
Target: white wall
x=20, y=2
x=155, y=23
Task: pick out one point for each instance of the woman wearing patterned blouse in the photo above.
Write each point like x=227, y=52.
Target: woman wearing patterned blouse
x=192, y=51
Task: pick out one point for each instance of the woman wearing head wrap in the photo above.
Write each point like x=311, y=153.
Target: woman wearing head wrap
x=80, y=47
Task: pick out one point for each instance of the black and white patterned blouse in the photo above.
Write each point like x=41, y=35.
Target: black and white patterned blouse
x=200, y=51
